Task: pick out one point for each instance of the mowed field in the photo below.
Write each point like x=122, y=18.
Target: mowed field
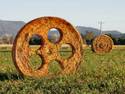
x=97, y=74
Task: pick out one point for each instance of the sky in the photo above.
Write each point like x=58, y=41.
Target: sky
x=78, y=12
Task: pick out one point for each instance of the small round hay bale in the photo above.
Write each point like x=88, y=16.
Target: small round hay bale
x=102, y=44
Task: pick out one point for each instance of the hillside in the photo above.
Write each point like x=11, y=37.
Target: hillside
x=12, y=27
x=83, y=30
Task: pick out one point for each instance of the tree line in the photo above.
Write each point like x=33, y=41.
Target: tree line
x=87, y=38
x=6, y=39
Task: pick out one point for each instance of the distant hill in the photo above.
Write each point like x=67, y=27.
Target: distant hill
x=83, y=30
x=114, y=33
x=10, y=27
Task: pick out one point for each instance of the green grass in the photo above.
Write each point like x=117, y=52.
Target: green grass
x=98, y=74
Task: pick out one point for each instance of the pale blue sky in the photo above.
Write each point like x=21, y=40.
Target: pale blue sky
x=78, y=12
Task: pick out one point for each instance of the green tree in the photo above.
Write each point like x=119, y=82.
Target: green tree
x=115, y=40
x=89, y=37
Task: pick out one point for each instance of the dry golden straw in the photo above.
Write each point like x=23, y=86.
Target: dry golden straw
x=102, y=44
x=48, y=51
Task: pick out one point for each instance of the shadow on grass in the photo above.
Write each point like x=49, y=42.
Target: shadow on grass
x=10, y=76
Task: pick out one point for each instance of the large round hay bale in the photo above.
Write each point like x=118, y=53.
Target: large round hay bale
x=48, y=51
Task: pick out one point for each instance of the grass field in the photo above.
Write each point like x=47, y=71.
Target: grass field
x=98, y=74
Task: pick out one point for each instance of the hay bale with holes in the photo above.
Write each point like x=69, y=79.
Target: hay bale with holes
x=102, y=44
x=47, y=51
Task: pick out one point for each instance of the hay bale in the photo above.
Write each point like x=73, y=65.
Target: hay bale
x=48, y=51
x=102, y=44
